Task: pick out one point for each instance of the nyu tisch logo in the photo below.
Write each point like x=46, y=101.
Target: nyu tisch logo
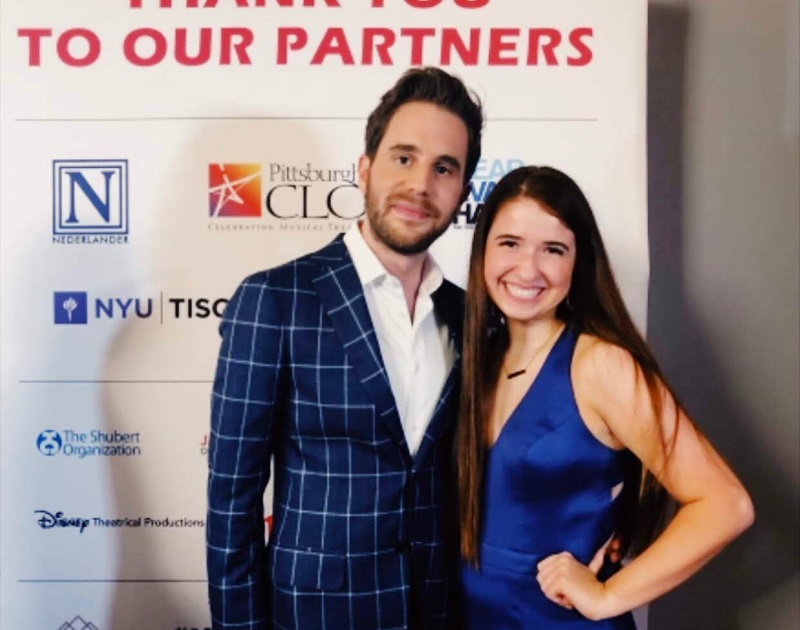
x=75, y=307
x=78, y=624
x=234, y=190
x=70, y=307
x=90, y=201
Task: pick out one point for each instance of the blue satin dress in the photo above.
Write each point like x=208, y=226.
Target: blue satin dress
x=548, y=489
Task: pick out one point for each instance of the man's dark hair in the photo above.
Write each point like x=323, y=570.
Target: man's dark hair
x=429, y=85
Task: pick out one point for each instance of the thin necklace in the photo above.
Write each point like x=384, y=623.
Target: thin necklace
x=516, y=373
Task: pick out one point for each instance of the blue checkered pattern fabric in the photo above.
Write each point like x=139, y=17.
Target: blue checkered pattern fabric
x=363, y=534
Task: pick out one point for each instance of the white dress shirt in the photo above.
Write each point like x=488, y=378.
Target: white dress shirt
x=417, y=352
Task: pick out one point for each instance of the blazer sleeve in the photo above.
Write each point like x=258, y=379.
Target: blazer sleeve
x=243, y=406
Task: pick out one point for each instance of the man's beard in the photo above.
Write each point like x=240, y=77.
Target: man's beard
x=394, y=238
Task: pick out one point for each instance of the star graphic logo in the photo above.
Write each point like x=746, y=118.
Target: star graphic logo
x=234, y=190
x=78, y=624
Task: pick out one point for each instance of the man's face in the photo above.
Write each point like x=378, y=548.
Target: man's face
x=415, y=182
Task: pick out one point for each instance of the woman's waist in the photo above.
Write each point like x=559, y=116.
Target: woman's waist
x=508, y=559
x=521, y=553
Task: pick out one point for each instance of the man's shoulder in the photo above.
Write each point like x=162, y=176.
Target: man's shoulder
x=300, y=271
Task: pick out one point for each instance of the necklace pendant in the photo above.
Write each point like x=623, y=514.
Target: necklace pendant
x=515, y=374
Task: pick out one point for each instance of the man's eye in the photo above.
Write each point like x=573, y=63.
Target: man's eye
x=442, y=169
x=403, y=159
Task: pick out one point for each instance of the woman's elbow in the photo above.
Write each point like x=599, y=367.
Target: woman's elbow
x=741, y=509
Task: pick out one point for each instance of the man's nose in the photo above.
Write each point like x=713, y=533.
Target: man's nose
x=419, y=179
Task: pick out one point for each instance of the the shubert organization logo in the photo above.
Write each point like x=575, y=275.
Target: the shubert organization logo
x=49, y=442
x=83, y=444
x=78, y=624
x=234, y=190
x=90, y=201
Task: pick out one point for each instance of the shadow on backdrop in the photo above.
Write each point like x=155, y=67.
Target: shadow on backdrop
x=161, y=571
x=765, y=557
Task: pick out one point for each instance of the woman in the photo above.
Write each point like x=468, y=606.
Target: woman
x=563, y=408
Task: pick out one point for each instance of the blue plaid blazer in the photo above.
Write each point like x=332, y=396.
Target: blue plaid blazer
x=360, y=528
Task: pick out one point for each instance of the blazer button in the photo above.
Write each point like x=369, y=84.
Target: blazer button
x=401, y=546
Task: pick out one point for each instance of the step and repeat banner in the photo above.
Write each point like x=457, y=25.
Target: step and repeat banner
x=153, y=153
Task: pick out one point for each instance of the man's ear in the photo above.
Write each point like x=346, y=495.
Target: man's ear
x=363, y=173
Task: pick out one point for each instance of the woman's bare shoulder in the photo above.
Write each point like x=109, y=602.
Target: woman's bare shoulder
x=603, y=362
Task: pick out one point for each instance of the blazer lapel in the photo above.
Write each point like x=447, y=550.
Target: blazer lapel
x=342, y=298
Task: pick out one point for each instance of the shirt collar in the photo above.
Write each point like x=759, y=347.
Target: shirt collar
x=370, y=270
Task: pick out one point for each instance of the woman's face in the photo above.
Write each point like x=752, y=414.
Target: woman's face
x=528, y=263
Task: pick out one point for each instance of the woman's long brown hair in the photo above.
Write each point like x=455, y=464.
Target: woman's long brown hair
x=594, y=306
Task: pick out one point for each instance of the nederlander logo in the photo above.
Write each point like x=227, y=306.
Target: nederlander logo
x=90, y=201
x=296, y=197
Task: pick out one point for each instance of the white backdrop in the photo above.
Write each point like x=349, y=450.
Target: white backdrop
x=154, y=155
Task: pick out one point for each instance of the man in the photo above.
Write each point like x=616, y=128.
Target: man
x=341, y=366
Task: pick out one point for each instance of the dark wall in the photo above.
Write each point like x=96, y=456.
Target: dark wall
x=724, y=314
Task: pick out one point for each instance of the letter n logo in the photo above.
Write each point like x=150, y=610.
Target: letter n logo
x=90, y=197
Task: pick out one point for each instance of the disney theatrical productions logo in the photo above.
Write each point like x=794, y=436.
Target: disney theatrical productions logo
x=49, y=520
